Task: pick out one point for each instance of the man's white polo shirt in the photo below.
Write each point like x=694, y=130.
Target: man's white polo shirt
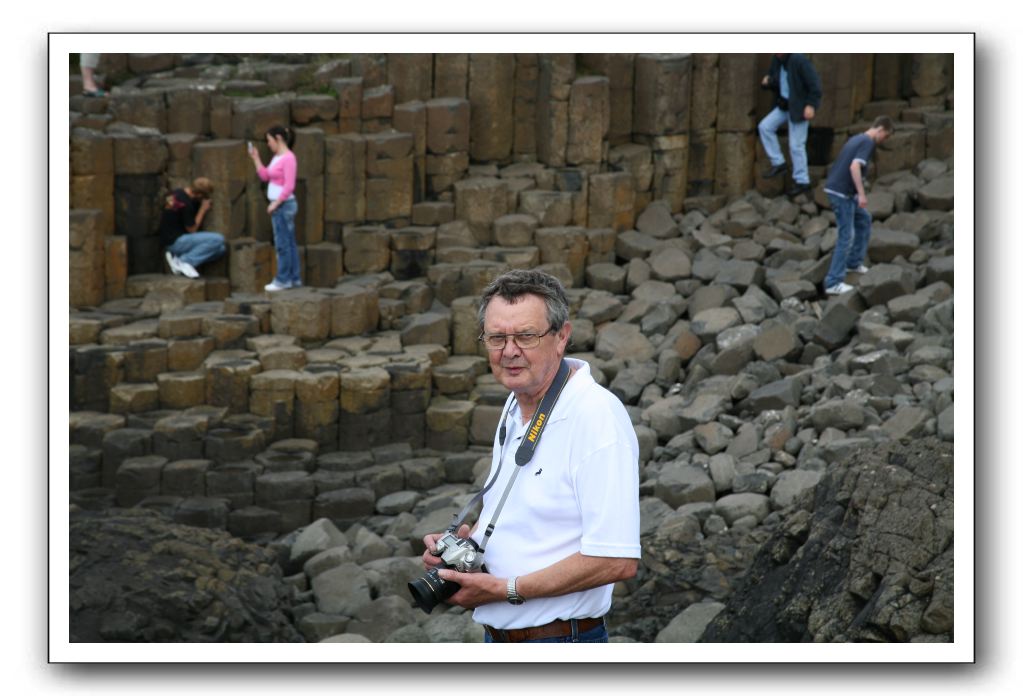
x=580, y=493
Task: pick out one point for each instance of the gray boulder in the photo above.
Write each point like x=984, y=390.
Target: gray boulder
x=671, y=264
x=712, y=437
x=618, y=340
x=652, y=511
x=452, y=626
x=679, y=484
x=740, y=274
x=886, y=282
x=739, y=505
x=656, y=221
x=907, y=422
x=710, y=322
x=347, y=638
x=775, y=396
x=688, y=626
x=342, y=590
x=326, y=560
x=600, y=307
x=317, y=626
x=704, y=408
x=946, y=424
x=777, y=340
x=842, y=414
x=314, y=539
x=791, y=484
x=938, y=194
x=885, y=245
x=606, y=276
x=382, y=617
x=630, y=382
x=722, y=471
x=678, y=529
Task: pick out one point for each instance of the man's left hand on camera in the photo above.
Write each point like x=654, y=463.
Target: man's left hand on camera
x=430, y=541
x=477, y=588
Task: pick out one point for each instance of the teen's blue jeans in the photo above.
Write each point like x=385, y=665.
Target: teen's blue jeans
x=798, y=131
x=853, y=236
x=283, y=219
x=197, y=248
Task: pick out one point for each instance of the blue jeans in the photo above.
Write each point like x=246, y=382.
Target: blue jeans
x=853, y=236
x=598, y=634
x=283, y=220
x=198, y=248
x=798, y=131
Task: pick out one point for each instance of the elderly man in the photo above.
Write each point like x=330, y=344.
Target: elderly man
x=569, y=527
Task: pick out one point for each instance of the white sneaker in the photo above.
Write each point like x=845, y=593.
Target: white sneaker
x=187, y=269
x=274, y=286
x=174, y=264
x=839, y=289
x=859, y=269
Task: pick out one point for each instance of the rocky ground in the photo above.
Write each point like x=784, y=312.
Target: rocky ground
x=743, y=401
x=135, y=577
x=297, y=448
x=866, y=556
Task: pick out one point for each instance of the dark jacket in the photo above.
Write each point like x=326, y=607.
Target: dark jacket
x=804, y=84
x=179, y=211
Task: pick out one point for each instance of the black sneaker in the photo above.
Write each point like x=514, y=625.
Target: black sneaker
x=798, y=189
x=775, y=171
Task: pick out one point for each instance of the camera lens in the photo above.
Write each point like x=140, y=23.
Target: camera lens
x=430, y=590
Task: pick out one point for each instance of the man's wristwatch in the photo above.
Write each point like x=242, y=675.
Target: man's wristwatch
x=513, y=595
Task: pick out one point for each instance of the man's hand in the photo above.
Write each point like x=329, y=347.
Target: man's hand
x=477, y=588
x=809, y=112
x=205, y=205
x=861, y=199
x=430, y=541
x=765, y=81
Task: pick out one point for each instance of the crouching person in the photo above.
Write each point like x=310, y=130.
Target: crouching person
x=185, y=248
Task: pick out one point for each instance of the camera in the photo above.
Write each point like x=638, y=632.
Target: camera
x=458, y=554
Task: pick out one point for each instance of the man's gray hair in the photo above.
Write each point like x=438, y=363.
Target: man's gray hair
x=515, y=284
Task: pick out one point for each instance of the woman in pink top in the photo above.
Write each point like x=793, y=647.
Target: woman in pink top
x=280, y=175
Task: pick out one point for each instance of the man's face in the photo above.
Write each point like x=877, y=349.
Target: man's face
x=524, y=371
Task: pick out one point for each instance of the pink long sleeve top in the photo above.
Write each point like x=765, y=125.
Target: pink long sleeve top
x=280, y=175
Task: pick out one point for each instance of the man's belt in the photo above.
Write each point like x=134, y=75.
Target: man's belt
x=554, y=629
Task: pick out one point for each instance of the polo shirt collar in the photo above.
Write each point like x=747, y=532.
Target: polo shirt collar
x=575, y=385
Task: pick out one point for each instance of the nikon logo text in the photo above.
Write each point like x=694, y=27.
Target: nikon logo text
x=535, y=430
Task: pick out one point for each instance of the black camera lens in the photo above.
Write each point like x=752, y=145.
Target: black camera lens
x=430, y=590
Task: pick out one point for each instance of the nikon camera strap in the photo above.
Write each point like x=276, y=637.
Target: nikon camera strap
x=524, y=454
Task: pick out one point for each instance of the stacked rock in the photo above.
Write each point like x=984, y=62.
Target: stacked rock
x=362, y=401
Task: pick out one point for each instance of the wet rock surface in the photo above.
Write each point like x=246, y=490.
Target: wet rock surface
x=866, y=558
x=136, y=577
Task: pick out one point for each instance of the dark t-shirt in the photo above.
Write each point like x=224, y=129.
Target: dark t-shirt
x=179, y=210
x=859, y=147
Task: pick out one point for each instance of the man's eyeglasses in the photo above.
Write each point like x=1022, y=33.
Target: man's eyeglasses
x=522, y=340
